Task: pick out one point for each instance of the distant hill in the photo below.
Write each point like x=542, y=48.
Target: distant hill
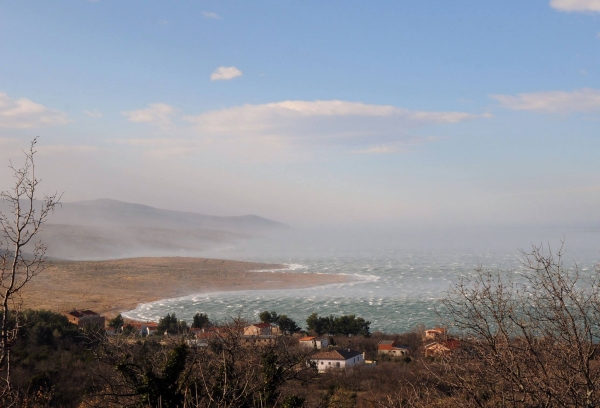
x=106, y=212
x=108, y=229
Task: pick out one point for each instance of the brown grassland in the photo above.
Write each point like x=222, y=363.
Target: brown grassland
x=118, y=285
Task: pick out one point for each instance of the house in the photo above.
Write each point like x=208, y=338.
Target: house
x=439, y=333
x=314, y=342
x=390, y=347
x=143, y=328
x=441, y=348
x=266, y=339
x=261, y=329
x=85, y=318
x=337, y=359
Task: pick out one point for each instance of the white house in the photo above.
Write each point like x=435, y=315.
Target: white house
x=314, y=342
x=337, y=359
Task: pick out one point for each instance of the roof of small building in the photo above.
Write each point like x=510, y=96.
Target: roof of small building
x=451, y=344
x=339, y=354
x=262, y=325
x=437, y=330
x=307, y=338
x=391, y=347
x=82, y=313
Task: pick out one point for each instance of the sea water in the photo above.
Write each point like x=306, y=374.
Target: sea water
x=393, y=285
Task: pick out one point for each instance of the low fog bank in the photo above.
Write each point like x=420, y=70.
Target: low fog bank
x=75, y=242
x=481, y=243
x=110, y=229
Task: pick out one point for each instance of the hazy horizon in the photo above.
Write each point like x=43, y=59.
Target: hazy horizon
x=315, y=115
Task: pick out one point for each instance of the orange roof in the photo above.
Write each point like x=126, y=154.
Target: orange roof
x=307, y=338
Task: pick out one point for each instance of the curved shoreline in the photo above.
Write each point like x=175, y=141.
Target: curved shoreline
x=114, y=286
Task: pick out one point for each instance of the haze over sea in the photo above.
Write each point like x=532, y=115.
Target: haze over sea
x=398, y=278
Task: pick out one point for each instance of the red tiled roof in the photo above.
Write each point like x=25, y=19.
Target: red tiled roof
x=307, y=338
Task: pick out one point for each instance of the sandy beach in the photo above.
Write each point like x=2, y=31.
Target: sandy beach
x=114, y=286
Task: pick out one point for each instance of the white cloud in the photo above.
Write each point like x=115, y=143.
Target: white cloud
x=158, y=114
x=354, y=125
x=581, y=100
x=225, y=74
x=94, y=113
x=211, y=15
x=24, y=114
x=575, y=5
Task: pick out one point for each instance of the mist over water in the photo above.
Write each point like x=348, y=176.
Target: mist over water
x=398, y=276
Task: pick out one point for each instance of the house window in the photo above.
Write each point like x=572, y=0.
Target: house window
x=329, y=363
x=322, y=363
x=337, y=365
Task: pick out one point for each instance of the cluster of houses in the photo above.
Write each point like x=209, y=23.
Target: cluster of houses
x=437, y=341
x=257, y=333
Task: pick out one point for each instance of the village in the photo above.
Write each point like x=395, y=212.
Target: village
x=327, y=351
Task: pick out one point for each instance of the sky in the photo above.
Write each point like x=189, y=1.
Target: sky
x=311, y=113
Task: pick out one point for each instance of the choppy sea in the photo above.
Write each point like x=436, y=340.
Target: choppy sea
x=397, y=283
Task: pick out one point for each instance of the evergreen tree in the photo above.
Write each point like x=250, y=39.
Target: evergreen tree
x=200, y=320
x=116, y=323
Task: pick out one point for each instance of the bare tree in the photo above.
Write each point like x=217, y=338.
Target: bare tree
x=224, y=368
x=529, y=339
x=19, y=226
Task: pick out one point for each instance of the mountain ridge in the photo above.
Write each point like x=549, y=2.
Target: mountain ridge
x=112, y=229
x=106, y=211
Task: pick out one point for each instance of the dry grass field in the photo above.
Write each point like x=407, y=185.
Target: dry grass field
x=118, y=285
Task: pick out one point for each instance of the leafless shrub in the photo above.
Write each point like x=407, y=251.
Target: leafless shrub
x=529, y=339
x=18, y=229
x=224, y=369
